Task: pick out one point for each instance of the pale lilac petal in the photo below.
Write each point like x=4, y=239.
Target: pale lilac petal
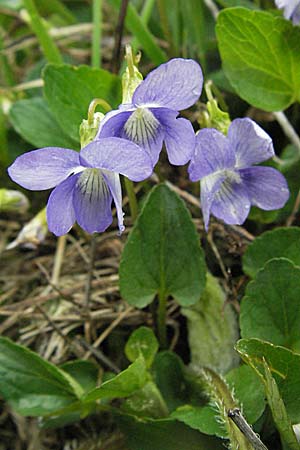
x=210, y=185
x=60, y=210
x=176, y=84
x=113, y=123
x=92, y=201
x=179, y=136
x=291, y=9
x=266, y=187
x=114, y=184
x=296, y=15
x=231, y=203
x=43, y=168
x=117, y=155
x=250, y=143
x=211, y=154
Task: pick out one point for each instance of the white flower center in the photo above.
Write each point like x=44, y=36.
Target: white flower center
x=141, y=126
x=232, y=176
x=92, y=184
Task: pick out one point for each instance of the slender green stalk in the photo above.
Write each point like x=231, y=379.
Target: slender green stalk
x=162, y=319
x=131, y=198
x=56, y=7
x=165, y=24
x=97, y=33
x=136, y=26
x=49, y=48
x=145, y=17
x=7, y=72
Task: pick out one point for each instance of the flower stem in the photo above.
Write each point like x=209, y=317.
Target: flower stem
x=161, y=319
x=93, y=105
x=49, y=48
x=288, y=129
x=131, y=198
x=97, y=32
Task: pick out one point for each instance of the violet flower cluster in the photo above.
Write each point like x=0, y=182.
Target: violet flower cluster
x=291, y=9
x=129, y=141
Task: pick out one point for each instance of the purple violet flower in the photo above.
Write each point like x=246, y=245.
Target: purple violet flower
x=151, y=118
x=291, y=9
x=86, y=182
x=230, y=183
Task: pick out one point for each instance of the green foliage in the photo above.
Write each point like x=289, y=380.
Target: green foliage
x=33, y=120
x=168, y=374
x=32, y=385
x=280, y=242
x=146, y=402
x=69, y=91
x=142, y=342
x=212, y=329
x=248, y=392
x=122, y=385
x=84, y=372
x=162, y=254
x=284, y=366
x=260, y=55
x=278, y=409
x=164, y=435
x=270, y=309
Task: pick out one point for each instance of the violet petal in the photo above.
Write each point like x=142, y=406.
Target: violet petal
x=176, y=84
x=179, y=135
x=92, y=201
x=114, y=184
x=266, y=187
x=231, y=203
x=117, y=155
x=250, y=143
x=211, y=154
x=43, y=168
x=60, y=210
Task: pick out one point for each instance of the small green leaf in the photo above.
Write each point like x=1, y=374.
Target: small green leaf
x=146, y=402
x=284, y=366
x=212, y=329
x=260, y=55
x=84, y=372
x=122, y=385
x=142, y=342
x=278, y=409
x=33, y=386
x=162, y=253
x=164, y=434
x=33, y=120
x=69, y=91
x=280, y=242
x=168, y=374
x=270, y=309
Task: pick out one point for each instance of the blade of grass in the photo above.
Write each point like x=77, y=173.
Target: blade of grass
x=145, y=17
x=48, y=46
x=194, y=16
x=140, y=31
x=164, y=20
x=97, y=32
x=56, y=7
